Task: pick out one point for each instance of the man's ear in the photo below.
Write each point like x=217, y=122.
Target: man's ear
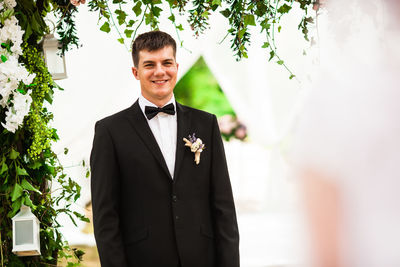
x=135, y=73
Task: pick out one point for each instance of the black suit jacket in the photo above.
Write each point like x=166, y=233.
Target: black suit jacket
x=144, y=218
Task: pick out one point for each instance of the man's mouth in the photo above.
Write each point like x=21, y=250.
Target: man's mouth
x=160, y=81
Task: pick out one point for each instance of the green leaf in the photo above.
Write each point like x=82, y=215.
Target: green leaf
x=280, y=62
x=13, y=154
x=292, y=76
x=216, y=2
x=72, y=219
x=28, y=202
x=17, y=192
x=16, y=205
x=249, y=20
x=36, y=165
x=284, y=9
x=156, y=11
x=172, y=18
x=121, y=16
x=49, y=96
x=105, y=27
x=241, y=33
x=137, y=9
x=4, y=168
x=87, y=174
x=26, y=185
x=21, y=172
x=271, y=55
x=279, y=28
x=226, y=13
x=121, y=40
x=81, y=217
x=66, y=150
x=205, y=14
x=130, y=23
x=265, y=45
x=128, y=33
x=4, y=58
x=180, y=27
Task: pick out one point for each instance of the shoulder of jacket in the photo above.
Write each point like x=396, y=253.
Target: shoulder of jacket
x=115, y=118
x=198, y=112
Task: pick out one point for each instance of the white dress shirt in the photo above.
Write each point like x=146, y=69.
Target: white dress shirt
x=164, y=129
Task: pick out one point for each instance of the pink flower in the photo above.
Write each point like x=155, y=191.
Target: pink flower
x=241, y=132
x=226, y=124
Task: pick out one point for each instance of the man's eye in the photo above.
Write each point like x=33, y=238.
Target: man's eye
x=148, y=65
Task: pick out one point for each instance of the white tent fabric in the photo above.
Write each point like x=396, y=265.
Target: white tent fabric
x=100, y=83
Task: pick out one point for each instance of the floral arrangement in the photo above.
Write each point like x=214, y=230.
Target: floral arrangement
x=230, y=126
x=196, y=146
x=28, y=166
x=14, y=78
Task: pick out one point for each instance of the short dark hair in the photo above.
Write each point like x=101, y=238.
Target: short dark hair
x=151, y=41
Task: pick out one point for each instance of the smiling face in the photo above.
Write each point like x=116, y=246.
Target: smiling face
x=157, y=71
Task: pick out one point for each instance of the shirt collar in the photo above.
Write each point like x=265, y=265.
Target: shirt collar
x=143, y=102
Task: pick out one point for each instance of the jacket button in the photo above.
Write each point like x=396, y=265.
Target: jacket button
x=174, y=198
x=177, y=217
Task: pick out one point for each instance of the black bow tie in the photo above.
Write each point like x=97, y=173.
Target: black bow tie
x=151, y=112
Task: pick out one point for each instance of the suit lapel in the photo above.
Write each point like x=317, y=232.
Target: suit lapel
x=142, y=128
x=183, y=131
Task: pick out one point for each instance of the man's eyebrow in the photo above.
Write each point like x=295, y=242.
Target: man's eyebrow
x=147, y=61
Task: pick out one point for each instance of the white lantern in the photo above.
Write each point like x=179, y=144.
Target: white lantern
x=55, y=63
x=26, y=238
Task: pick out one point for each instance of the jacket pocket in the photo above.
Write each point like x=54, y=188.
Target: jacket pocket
x=206, y=231
x=136, y=235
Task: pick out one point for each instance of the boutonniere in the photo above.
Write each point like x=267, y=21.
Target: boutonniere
x=196, y=146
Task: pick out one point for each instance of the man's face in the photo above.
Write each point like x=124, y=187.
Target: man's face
x=157, y=71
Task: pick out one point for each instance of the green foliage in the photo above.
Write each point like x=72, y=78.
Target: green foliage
x=198, y=88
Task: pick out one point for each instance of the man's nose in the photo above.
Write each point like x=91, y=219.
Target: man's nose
x=159, y=71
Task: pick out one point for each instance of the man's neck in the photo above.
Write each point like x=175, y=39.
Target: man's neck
x=159, y=103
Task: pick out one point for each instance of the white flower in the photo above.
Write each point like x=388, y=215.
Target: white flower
x=12, y=73
x=13, y=32
x=10, y=3
x=196, y=145
x=16, y=114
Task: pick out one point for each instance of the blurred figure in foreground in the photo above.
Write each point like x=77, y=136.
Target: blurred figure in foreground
x=347, y=148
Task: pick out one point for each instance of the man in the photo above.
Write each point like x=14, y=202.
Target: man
x=153, y=204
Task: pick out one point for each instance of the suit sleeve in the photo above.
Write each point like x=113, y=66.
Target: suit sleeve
x=223, y=208
x=105, y=188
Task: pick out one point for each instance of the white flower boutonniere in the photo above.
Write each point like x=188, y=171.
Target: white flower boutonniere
x=196, y=146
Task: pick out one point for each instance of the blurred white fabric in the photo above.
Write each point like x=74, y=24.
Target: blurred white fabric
x=350, y=128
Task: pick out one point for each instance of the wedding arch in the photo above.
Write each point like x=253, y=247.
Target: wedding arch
x=29, y=168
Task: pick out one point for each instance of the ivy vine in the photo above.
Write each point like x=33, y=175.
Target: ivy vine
x=241, y=14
